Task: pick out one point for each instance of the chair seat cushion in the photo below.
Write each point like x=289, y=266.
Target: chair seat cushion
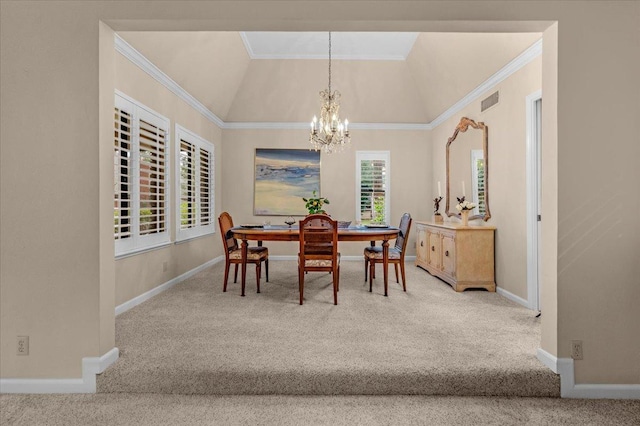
x=319, y=263
x=375, y=253
x=253, y=253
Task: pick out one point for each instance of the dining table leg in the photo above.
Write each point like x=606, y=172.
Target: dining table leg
x=244, y=264
x=385, y=264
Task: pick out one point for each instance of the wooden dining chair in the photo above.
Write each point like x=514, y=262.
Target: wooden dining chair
x=373, y=254
x=233, y=252
x=319, y=250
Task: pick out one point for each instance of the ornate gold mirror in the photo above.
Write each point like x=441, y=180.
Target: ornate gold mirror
x=468, y=168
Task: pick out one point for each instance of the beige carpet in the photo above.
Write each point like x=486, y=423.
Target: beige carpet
x=195, y=339
x=157, y=409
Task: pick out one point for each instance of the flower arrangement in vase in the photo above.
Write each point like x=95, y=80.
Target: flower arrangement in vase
x=464, y=207
x=314, y=204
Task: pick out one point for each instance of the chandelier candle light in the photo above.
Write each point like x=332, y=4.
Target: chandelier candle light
x=329, y=134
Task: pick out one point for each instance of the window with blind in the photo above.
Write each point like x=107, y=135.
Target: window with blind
x=372, y=186
x=195, y=186
x=140, y=177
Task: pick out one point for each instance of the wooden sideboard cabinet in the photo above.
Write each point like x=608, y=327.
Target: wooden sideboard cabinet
x=462, y=256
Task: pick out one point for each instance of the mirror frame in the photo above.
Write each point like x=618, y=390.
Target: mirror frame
x=463, y=126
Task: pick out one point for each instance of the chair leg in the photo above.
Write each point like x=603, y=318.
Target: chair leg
x=258, y=273
x=404, y=280
x=366, y=267
x=301, y=283
x=266, y=264
x=372, y=266
x=338, y=278
x=335, y=286
x=235, y=274
x=397, y=279
x=226, y=275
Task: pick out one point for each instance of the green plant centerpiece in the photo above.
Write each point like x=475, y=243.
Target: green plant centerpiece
x=314, y=204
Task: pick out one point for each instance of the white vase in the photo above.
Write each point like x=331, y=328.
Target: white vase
x=465, y=217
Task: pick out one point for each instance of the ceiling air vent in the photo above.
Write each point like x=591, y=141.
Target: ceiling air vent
x=490, y=101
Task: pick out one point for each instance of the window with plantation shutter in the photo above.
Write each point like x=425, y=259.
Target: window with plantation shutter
x=195, y=186
x=140, y=177
x=372, y=186
x=478, y=182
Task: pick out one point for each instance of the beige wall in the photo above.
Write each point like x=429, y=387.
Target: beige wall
x=440, y=64
x=409, y=172
x=50, y=264
x=193, y=58
x=137, y=274
x=372, y=91
x=506, y=122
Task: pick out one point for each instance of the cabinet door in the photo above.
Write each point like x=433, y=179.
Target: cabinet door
x=449, y=254
x=433, y=249
x=421, y=245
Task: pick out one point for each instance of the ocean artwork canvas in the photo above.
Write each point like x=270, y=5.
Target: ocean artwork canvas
x=282, y=178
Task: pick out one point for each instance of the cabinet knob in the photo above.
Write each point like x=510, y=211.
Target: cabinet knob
x=446, y=253
x=421, y=243
x=433, y=248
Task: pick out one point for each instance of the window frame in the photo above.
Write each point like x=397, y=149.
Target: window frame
x=373, y=156
x=198, y=230
x=137, y=241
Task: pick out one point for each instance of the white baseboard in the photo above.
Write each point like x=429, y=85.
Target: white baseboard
x=163, y=287
x=87, y=384
x=569, y=389
x=547, y=359
x=512, y=296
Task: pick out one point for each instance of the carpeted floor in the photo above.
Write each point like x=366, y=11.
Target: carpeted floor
x=162, y=409
x=185, y=348
x=195, y=339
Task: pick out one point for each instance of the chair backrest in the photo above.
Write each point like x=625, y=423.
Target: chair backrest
x=319, y=237
x=403, y=236
x=226, y=223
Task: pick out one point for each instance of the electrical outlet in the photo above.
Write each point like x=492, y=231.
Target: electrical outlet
x=165, y=266
x=23, y=345
x=576, y=349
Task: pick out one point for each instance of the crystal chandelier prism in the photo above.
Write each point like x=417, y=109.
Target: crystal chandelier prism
x=329, y=134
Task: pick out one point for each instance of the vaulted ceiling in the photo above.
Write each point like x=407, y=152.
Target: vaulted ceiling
x=276, y=77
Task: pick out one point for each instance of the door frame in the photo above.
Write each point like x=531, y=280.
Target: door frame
x=533, y=169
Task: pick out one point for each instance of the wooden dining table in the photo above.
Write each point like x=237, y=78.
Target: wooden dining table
x=285, y=233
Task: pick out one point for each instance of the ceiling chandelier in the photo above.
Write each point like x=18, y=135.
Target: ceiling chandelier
x=329, y=134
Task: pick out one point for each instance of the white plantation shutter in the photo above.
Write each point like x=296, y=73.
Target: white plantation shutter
x=122, y=175
x=140, y=177
x=187, y=185
x=205, y=187
x=478, y=182
x=196, y=210
x=372, y=183
x=152, y=179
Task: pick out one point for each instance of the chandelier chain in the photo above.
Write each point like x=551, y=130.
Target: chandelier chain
x=329, y=62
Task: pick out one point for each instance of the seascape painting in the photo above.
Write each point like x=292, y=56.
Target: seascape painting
x=282, y=178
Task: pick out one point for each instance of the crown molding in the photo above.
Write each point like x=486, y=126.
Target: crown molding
x=518, y=62
x=147, y=66
x=143, y=63
x=245, y=125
